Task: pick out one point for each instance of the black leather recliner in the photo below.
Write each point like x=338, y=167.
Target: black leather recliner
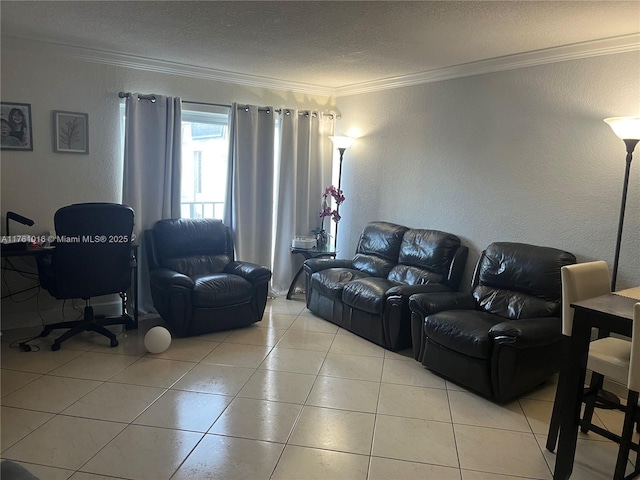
x=369, y=295
x=505, y=337
x=196, y=285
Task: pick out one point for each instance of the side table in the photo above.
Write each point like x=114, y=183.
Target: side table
x=307, y=253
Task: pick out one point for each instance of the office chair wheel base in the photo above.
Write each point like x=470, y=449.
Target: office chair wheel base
x=55, y=347
x=114, y=343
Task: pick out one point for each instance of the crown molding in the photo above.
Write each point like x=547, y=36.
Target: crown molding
x=622, y=44
x=161, y=66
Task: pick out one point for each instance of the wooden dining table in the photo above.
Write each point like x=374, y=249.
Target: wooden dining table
x=612, y=312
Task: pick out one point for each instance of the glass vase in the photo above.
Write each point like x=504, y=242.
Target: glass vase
x=322, y=239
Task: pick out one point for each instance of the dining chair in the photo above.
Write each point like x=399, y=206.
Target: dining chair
x=628, y=357
x=608, y=357
x=580, y=282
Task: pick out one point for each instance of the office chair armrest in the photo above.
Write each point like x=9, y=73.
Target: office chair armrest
x=528, y=332
x=165, y=279
x=250, y=271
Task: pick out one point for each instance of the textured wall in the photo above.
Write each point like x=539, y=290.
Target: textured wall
x=520, y=155
x=35, y=184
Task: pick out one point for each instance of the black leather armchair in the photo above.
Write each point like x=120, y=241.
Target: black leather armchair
x=504, y=338
x=196, y=285
x=369, y=295
x=93, y=257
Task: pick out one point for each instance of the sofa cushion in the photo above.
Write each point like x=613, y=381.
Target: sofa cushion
x=513, y=305
x=187, y=237
x=409, y=275
x=331, y=282
x=529, y=269
x=432, y=250
x=518, y=280
x=367, y=294
x=463, y=331
x=378, y=248
x=197, y=265
x=372, y=265
x=220, y=289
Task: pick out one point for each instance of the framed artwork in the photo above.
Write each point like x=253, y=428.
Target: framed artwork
x=16, y=126
x=70, y=132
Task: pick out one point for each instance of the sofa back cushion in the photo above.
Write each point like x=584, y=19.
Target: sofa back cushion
x=517, y=280
x=425, y=257
x=192, y=246
x=378, y=248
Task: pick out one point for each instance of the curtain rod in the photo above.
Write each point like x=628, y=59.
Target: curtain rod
x=152, y=98
x=287, y=111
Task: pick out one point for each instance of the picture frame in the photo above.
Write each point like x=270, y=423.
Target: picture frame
x=16, y=130
x=70, y=132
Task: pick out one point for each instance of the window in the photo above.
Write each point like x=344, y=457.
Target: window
x=205, y=150
x=197, y=172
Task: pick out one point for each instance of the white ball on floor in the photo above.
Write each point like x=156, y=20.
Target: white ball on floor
x=157, y=340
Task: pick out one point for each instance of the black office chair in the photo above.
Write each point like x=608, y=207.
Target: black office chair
x=92, y=257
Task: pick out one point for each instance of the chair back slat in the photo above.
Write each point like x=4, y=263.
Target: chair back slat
x=580, y=282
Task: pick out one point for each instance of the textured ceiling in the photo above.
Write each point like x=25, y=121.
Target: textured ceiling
x=331, y=44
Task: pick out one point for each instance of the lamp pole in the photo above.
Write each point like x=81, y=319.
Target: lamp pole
x=341, y=150
x=341, y=143
x=631, y=144
x=627, y=129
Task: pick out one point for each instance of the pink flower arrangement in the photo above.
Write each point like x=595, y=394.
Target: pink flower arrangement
x=331, y=192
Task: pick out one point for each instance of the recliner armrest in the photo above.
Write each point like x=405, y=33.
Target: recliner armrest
x=426, y=304
x=313, y=265
x=252, y=272
x=528, y=332
x=408, y=290
x=165, y=279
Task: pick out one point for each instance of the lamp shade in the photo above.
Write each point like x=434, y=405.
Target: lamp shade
x=341, y=141
x=627, y=128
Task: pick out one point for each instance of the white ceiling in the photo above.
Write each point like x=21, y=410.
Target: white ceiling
x=328, y=45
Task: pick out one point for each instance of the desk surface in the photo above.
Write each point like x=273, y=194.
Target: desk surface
x=23, y=252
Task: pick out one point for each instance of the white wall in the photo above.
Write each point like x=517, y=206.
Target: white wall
x=35, y=184
x=520, y=155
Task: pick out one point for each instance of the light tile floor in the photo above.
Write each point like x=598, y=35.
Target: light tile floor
x=291, y=397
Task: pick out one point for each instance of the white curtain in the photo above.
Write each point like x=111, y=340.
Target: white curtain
x=305, y=170
x=249, y=202
x=275, y=195
x=151, y=179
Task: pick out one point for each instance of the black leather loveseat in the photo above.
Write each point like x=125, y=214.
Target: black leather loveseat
x=369, y=294
x=196, y=285
x=505, y=337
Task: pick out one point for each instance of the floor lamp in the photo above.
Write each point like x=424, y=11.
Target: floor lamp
x=341, y=143
x=628, y=129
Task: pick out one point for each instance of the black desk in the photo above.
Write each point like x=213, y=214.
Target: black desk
x=31, y=251
x=25, y=250
x=307, y=253
x=611, y=312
